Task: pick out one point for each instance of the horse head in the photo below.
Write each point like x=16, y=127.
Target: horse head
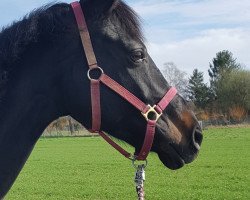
x=118, y=45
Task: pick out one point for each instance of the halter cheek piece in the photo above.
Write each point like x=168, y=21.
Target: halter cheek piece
x=146, y=110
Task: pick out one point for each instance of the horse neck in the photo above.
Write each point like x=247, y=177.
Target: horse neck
x=24, y=117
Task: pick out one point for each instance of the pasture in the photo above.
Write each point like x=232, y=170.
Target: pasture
x=88, y=168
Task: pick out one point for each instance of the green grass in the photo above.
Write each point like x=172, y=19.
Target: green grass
x=88, y=168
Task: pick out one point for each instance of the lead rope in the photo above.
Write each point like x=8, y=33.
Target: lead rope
x=139, y=180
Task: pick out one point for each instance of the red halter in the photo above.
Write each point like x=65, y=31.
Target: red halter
x=145, y=110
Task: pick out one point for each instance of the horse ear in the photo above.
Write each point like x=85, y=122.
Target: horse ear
x=98, y=7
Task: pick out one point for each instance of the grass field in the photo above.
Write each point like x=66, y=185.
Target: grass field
x=88, y=168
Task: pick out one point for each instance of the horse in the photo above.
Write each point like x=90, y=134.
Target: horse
x=43, y=76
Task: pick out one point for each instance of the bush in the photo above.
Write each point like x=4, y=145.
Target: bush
x=237, y=113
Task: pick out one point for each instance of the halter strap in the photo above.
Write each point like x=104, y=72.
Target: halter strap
x=84, y=33
x=120, y=90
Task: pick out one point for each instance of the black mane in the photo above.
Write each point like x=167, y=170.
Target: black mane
x=44, y=25
x=37, y=26
x=129, y=19
x=15, y=39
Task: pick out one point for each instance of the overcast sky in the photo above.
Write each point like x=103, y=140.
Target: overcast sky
x=186, y=32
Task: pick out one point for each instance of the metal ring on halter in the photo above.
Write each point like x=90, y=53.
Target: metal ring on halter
x=96, y=68
x=136, y=165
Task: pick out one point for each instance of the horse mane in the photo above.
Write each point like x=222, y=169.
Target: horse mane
x=129, y=20
x=45, y=24
x=16, y=38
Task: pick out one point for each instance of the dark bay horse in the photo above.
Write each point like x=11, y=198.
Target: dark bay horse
x=43, y=77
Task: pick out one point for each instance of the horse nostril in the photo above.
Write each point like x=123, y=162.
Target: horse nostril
x=197, y=138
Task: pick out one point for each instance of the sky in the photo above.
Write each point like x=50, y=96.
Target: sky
x=186, y=32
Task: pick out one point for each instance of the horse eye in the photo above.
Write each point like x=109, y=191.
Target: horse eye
x=137, y=56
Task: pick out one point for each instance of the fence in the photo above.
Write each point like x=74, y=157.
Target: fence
x=66, y=127
x=224, y=122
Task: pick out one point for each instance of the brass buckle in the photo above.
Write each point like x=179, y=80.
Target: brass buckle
x=151, y=110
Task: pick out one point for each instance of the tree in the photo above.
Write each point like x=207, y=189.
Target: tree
x=222, y=65
x=176, y=77
x=234, y=91
x=198, y=91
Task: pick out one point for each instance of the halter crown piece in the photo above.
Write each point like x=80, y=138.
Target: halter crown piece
x=146, y=110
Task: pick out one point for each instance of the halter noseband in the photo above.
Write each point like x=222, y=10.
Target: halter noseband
x=146, y=110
